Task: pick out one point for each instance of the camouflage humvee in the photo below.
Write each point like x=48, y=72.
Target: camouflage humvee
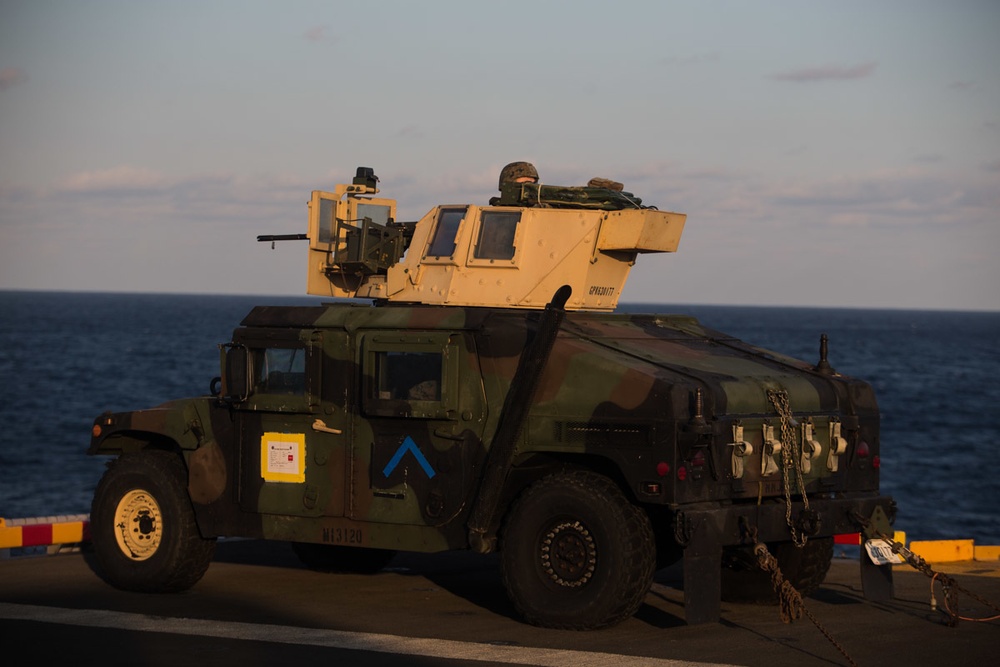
x=490, y=399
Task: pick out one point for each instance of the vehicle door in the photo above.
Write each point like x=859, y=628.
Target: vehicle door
x=292, y=452
x=417, y=449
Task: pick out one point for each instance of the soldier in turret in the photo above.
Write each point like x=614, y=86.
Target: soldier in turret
x=515, y=172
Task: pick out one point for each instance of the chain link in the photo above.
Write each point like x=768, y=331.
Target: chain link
x=790, y=600
x=790, y=459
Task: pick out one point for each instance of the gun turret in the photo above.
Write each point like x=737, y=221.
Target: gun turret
x=515, y=254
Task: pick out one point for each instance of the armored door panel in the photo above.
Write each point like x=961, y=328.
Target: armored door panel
x=293, y=458
x=417, y=450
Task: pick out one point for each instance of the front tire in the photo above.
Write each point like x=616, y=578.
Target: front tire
x=143, y=528
x=576, y=554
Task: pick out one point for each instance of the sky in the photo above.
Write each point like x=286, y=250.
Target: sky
x=831, y=154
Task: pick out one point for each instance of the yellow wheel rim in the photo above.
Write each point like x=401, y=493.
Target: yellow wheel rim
x=138, y=525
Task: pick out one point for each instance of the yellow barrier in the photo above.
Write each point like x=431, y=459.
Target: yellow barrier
x=944, y=551
x=986, y=553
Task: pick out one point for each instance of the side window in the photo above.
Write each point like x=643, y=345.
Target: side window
x=496, y=235
x=443, y=243
x=408, y=376
x=279, y=370
x=327, y=220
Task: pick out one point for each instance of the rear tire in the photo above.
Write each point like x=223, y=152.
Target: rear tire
x=143, y=528
x=804, y=568
x=576, y=554
x=333, y=558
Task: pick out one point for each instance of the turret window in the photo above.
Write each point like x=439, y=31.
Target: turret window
x=496, y=235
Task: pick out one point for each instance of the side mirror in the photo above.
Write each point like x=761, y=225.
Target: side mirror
x=236, y=372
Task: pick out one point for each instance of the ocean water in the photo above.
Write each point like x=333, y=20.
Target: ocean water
x=67, y=357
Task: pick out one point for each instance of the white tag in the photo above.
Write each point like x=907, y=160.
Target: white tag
x=880, y=551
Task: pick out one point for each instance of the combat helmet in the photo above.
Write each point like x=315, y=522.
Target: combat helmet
x=516, y=170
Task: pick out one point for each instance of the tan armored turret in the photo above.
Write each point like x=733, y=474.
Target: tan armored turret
x=512, y=255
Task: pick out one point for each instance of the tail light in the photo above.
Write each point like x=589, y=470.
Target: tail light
x=862, y=450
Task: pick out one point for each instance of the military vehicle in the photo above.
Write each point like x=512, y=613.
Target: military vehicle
x=470, y=386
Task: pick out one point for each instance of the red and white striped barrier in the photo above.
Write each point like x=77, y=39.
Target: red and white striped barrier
x=44, y=531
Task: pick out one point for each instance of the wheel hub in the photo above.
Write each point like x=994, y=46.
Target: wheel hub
x=569, y=555
x=138, y=525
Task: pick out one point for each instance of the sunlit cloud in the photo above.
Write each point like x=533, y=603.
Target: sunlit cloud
x=826, y=73
x=317, y=34
x=115, y=179
x=11, y=76
x=139, y=197
x=908, y=197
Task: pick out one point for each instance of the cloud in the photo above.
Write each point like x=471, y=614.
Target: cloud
x=317, y=33
x=11, y=76
x=826, y=73
x=119, y=179
x=910, y=197
x=137, y=197
x=961, y=85
x=992, y=166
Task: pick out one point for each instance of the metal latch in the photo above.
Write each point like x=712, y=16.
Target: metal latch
x=810, y=447
x=838, y=446
x=741, y=450
x=772, y=449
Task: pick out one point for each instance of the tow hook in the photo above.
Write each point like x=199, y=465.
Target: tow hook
x=683, y=529
x=809, y=522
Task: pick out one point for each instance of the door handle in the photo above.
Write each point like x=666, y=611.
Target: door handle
x=320, y=425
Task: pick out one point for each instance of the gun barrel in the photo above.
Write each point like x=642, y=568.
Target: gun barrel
x=282, y=237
